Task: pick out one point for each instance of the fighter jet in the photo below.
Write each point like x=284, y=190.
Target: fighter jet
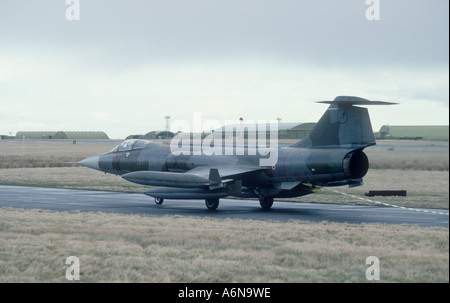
x=330, y=155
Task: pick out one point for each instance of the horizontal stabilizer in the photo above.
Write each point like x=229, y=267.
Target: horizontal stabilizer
x=350, y=100
x=343, y=125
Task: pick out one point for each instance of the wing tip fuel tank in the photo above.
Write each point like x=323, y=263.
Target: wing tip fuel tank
x=183, y=180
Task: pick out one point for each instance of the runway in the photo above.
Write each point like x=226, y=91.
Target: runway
x=130, y=203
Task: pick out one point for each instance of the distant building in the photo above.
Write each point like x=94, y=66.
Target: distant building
x=414, y=132
x=285, y=130
x=6, y=137
x=64, y=135
x=296, y=132
x=157, y=134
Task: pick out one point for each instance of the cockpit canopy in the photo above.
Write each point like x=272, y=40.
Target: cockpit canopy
x=131, y=144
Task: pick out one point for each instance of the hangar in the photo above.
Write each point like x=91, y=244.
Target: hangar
x=156, y=134
x=414, y=132
x=62, y=135
x=297, y=131
x=285, y=130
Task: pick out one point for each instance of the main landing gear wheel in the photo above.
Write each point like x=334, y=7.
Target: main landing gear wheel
x=159, y=201
x=212, y=204
x=266, y=202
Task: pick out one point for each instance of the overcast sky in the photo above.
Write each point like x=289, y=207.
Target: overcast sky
x=125, y=65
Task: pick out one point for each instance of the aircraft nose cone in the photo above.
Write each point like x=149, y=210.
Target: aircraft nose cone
x=91, y=162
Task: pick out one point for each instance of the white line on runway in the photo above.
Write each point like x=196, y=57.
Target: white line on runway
x=386, y=204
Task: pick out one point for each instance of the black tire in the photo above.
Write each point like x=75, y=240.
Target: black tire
x=159, y=201
x=212, y=204
x=266, y=203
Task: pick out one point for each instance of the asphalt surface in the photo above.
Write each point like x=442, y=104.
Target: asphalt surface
x=129, y=203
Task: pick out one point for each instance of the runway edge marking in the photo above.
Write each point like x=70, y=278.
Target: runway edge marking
x=390, y=205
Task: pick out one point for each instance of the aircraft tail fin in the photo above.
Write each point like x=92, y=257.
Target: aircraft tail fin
x=343, y=124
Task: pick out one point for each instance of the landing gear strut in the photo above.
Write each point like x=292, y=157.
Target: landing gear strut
x=212, y=204
x=266, y=202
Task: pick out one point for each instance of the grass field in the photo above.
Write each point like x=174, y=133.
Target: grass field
x=34, y=244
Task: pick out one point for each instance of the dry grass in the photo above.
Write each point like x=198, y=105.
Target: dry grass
x=67, y=177
x=34, y=245
x=425, y=189
x=30, y=154
x=408, y=159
